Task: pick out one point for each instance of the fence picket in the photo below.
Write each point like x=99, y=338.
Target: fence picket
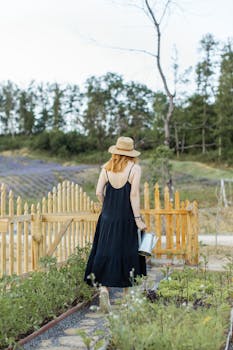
x=3, y=200
x=147, y=205
x=54, y=224
x=19, y=238
x=158, y=228
x=59, y=208
x=11, y=235
x=25, y=240
x=177, y=222
x=168, y=218
x=44, y=235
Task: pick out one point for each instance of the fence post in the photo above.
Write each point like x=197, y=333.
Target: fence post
x=11, y=234
x=3, y=234
x=158, y=229
x=169, y=233
x=177, y=221
x=25, y=238
x=19, y=237
x=147, y=205
x=3, y=200
x=192, y=234
x=36, y=236
x=43, y=228
x=195, y=231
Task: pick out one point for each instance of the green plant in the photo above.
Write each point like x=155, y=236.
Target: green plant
x=26, y=304
x=180, y=315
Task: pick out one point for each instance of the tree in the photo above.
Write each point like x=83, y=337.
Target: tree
x=26, y=110
x=224, y=102
x=8, y=115
x=58, y=120
x=157, y=24
x=43, y=116
x=205, y=74
x=153, y=14
x=139, y=110
x=72, y=107
x=95, y=113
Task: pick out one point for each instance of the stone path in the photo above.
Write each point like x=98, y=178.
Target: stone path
x=92, y=324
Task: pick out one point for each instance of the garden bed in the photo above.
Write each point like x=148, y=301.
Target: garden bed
x=27, y=304
x=190, y=310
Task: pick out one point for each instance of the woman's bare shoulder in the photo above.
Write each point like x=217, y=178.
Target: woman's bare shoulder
x=104, y=165
x=136, y=168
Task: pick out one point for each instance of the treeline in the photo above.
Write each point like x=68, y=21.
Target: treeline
x=67, y=119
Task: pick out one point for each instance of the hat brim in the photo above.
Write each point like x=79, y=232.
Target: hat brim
x=114, y=150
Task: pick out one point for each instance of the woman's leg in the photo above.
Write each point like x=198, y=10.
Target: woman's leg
x=104, y=301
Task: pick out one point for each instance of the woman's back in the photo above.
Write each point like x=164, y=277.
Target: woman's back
x=119, y=179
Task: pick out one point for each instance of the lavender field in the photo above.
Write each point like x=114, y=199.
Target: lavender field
x=34, y=178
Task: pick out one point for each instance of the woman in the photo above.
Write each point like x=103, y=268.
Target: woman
x=114, y=260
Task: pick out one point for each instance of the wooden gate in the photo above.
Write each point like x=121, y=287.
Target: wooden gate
x=66, y=218
x=177, y=222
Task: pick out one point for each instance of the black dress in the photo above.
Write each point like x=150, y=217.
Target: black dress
x=115, y=248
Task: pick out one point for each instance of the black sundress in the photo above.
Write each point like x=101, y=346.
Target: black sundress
x=114, y=252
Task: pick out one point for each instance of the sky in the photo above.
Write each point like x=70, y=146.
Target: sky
x=70, y=40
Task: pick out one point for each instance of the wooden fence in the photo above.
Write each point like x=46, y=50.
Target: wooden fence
x=67, y=218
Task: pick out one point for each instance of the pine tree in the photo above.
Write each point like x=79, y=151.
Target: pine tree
x=224, y=103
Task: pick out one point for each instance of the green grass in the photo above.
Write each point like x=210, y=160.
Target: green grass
x=95, y=157
x=201, y=170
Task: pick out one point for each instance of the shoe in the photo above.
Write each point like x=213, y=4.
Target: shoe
x=104, y=302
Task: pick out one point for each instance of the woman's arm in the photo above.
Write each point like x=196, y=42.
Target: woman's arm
x=135, y=197
x=100, y=185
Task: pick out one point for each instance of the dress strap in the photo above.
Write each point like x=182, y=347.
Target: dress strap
x=107, y=174
x=130, y=171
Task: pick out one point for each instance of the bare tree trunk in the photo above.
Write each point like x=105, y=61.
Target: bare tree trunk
x=167, y=118
x=220, y=140
x=220, y=147
x=203, y=140
x=183, y=143
x=203, y=133
x=177, y=142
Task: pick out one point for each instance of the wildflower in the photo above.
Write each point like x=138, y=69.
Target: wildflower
x=131, y=273
x=206, y=319
x=94, y=308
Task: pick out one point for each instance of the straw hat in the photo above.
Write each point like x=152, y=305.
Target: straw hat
x=125, y=147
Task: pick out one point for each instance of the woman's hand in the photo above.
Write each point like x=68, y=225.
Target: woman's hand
x=140, y=224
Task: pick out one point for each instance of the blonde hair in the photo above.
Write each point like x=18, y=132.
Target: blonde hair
x=118, y=162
